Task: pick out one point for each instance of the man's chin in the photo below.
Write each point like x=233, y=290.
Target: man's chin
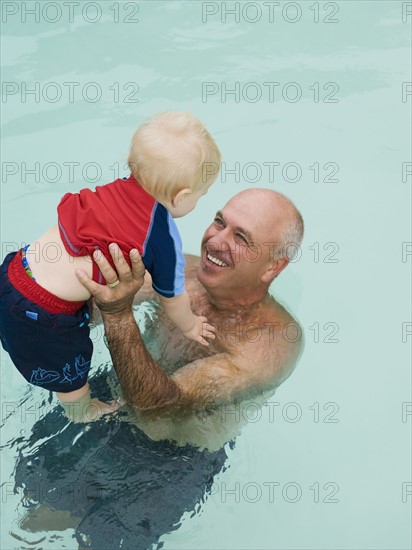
x=206, y=277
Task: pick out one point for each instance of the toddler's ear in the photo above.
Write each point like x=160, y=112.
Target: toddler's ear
x=180, y=196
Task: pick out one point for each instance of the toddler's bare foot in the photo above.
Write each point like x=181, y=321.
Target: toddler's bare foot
x=96, y=409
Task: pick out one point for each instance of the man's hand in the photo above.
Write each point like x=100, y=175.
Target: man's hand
x=117, y=300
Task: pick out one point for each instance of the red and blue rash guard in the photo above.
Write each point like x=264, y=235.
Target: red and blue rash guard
x=123, y=212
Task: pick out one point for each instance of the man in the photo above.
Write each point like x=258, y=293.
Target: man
x=123, y=486
x=257, y=341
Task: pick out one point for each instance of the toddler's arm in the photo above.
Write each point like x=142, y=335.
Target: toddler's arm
x=179, y=312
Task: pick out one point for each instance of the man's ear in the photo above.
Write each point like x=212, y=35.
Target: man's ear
x=180, y=196
x=274, y=269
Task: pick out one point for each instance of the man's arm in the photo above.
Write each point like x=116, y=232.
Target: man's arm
x=212, y=380
x=143, y=382
x=152, y=385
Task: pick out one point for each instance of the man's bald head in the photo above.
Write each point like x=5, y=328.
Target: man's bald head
x=275, y=219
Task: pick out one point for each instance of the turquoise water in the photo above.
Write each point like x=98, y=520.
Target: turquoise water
x=306, y=98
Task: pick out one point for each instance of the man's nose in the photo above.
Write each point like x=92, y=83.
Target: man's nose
x=219, y=239
x=223, y=242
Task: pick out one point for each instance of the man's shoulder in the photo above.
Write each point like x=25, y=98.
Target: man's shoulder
x=284, y=326
x=272, y=345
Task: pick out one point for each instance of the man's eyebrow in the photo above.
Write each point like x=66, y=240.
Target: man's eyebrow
x=247, y=233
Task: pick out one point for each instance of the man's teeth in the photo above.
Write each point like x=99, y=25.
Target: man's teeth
x=216, y=261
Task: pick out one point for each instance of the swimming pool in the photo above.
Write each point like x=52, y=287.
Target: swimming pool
x=308, y=98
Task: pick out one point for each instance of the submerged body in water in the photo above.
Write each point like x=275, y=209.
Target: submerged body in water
x=125, y=481
x=110, y=482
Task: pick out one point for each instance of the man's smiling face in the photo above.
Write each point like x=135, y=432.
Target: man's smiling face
x=235, y=250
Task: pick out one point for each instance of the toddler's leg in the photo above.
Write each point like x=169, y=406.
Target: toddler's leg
x=80, y=407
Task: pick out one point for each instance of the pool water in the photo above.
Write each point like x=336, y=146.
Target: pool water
x=308, y=98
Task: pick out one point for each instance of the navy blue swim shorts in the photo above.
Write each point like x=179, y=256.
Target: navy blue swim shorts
x=47, y=338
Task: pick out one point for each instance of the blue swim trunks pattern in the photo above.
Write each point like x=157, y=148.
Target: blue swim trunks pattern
x=51, y=350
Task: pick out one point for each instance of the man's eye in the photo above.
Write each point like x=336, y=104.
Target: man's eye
x=241, y=237
x=218, y=221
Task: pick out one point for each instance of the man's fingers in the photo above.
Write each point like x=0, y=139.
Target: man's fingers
x=108, y=272
x=91, y=286
x=138, y=268
x=122, y=267
x=123, y=271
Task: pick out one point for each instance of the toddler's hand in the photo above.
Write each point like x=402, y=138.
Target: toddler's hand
x=200, y=331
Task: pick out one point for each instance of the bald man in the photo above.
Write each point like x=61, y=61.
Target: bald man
x=250, y=241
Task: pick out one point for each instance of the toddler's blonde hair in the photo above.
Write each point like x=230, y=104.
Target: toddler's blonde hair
x=173, y=151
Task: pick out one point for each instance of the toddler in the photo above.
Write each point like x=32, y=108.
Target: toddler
x=44, y=314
